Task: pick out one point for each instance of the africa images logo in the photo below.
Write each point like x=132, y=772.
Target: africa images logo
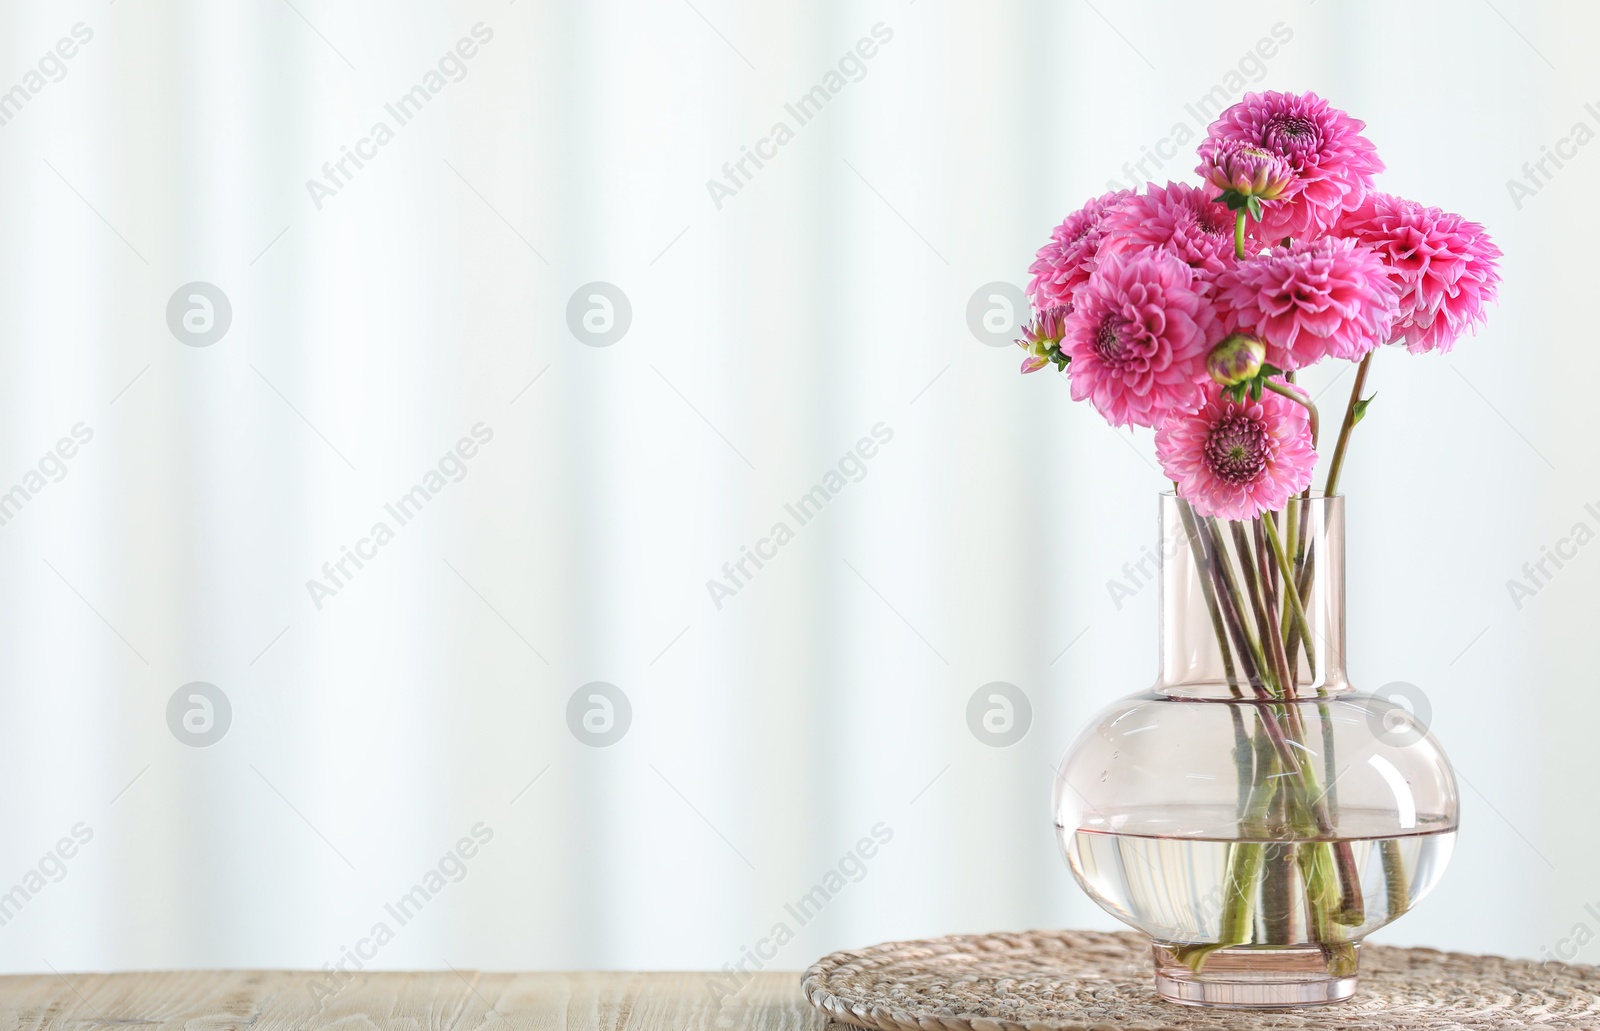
x=52, y=67
x=52, y=468
x=452, y=67
x=451, y=469
x=737, y=574
x=851, y=67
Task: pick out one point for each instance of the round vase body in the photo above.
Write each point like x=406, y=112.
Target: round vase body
x=1253, y=813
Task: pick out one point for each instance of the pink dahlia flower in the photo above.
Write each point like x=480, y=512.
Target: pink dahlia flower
x=1238, y=459
x=1065, y=262
x=1446, y=268
x=1331, y=162
x=1315, y=299
x=1180, y=219
x=1138, y=337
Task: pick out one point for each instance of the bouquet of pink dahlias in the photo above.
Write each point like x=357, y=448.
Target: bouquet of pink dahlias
x=1178, y=308
x=1190, y=308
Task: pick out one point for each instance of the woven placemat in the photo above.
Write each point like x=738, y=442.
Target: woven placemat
x=1100, y=981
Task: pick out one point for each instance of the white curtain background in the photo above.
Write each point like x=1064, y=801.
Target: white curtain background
x=828, y=295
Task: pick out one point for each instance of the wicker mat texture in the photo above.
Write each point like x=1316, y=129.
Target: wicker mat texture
x=1101, y=981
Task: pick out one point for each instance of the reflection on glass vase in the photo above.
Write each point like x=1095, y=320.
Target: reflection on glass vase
x=1252, y=813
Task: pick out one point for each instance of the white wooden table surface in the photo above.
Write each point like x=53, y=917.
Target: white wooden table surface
x=448, y=1001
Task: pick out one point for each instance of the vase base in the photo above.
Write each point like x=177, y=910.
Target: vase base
x=1253, y=978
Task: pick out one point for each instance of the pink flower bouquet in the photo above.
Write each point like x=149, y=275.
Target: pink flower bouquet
x=1190, y=309
x=1179, y=307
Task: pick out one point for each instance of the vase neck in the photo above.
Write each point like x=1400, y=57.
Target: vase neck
x=1229, y=627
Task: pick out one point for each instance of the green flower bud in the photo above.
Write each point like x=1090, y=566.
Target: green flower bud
x=1236, y=360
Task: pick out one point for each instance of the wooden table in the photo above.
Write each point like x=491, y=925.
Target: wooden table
x=448, y=1001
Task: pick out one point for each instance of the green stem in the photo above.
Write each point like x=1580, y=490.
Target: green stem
x=1336, y=463
x=1267, y=572
x=1238, y=235
x=1291, y=592
x=1291, y=628
x=1229, y=600
x=1208, y=591
x=1241, y=740
x=1326, y=867
x=1305, y=571
x=1271, y=643
x=1314, y=816
x=1298, y=633
x=1394, y=878
x=1323, y=905
x=1245, y=860
x=1278, y=387
x=1278, y=887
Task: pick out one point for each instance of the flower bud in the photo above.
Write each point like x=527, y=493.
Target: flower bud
x=1041, y=338
x=1236, y=360
x=1247, y=171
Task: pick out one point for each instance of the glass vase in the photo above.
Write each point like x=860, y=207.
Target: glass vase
x=1252, y=813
